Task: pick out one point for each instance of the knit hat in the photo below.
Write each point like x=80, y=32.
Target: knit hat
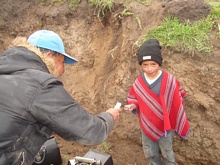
x=150, y=50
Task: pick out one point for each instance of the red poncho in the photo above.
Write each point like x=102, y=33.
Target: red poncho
x=160, y=113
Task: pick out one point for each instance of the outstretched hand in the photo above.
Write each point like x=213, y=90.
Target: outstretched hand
x=115, y=113
x=129, y=107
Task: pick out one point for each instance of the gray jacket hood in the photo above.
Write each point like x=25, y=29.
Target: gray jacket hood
x=22, y=55
x=19, y=58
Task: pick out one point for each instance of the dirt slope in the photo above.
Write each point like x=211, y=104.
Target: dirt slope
x=107, y=67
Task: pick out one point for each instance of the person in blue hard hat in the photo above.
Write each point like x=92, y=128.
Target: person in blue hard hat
x=34, y=103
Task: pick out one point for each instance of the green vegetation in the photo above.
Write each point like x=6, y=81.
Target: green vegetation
x=144, y=2
x=59, y=1
x=126, y=13
x=105, y=147
x=185, y=37
x=103, y=6
x=215, y=6
x=42, y=3
x=218, y=33
x=74, y=3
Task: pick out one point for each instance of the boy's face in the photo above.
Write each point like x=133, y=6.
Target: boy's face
x=151, y=68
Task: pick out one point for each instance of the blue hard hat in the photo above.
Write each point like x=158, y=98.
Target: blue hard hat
x=52, y=41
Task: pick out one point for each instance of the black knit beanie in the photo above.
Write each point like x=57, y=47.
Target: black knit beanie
x=150, y=50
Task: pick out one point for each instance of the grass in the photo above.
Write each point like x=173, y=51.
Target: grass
x=183, y=37
x=215, y=7
x=126, y=13
x=74, y=3
x=186, y=37
x=102, y=6
x=105, y=147
x=144, y=2
x=58, y=1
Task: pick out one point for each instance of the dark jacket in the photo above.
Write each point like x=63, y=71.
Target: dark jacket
x=33, y=104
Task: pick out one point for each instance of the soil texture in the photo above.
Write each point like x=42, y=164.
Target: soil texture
x=108, y=66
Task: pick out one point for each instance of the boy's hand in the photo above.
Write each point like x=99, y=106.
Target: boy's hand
x=129, y=107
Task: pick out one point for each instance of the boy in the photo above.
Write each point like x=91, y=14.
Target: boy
x=157, y=98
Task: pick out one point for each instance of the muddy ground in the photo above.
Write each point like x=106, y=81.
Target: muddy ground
x=108, y=66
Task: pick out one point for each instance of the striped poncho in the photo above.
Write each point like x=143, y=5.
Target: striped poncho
x=160, y=113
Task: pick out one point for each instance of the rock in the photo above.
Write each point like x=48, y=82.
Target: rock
x=192, y=10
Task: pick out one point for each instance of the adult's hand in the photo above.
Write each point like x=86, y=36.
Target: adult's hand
x=115, y=113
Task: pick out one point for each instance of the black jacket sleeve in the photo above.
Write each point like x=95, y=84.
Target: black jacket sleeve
x=53, y=107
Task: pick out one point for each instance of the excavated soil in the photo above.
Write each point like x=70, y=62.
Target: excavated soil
x=108, y=66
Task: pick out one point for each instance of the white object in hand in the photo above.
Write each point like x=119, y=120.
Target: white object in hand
x=118, y=105
x=128, y=107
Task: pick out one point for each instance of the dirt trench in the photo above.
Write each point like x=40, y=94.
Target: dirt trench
x=108, y=66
